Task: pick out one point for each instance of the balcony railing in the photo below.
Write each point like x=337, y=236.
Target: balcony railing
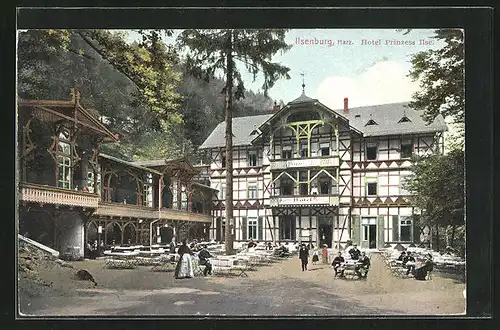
x=57, y=196
x=144, y=212
x=305, y=200
x=283, y=164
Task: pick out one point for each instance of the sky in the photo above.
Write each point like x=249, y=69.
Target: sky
x=368, y=66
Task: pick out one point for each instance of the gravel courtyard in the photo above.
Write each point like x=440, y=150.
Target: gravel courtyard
x=278, y=289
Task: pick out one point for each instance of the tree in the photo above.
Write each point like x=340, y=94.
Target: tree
x=441, y=76
x=212, y=52
x=437, y=187
x=437, y=184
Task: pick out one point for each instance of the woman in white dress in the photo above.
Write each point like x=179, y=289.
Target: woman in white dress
x=184, y=268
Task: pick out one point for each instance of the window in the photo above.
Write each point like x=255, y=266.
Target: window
x=303, y=189
x=252, y=190
x=90, y=182
x=371, y=151
x=406, y=148
x=287, y=227
x=64, y=165
x=252, y=228
x=371, y=122
x=222, y=192
x=286, y=187
x=304, y=151
x=404, y=119
x=252, y=158
x=324, y=149
x=324, y=187
x=286, y=153
x=405, y=229
x=402, y=181
x=371, y=188
x=366, y=223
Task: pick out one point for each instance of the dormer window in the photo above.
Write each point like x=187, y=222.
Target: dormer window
x=371, y=122
x=357, y=116
x=404, y=119
x=252, y=158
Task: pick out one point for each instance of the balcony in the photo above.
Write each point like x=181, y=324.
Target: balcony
x=57, y=196
x=305, y=200
x=283, y=164
x=144, y=212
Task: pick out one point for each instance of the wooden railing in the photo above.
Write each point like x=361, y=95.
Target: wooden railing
x=58, y=196
x=144, y=212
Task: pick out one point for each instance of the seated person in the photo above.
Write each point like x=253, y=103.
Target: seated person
x=251, y=244
x=203, y=255
x=402, y=256
x=410, y=268
x=421, y=272
x=337, y=261
x=362, y=270
x=354, y=252
x=269, y=246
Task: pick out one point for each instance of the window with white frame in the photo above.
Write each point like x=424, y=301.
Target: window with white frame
x=90, y=182
x=252, y=228
x=148, y=191
x=286, y=153
x=252, y=158
x=252, y=190
x=222, y=192
x=371, y=151
x=402, y=182
x=64, y=163
x=406, y=148
x=366, y=222
x=405, y=228
x=324, y=149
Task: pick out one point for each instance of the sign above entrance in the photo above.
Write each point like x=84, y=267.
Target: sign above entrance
x=282, y=164
x=304, y=201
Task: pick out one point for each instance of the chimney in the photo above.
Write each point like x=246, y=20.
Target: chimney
x=276, y=107
x=346, y=105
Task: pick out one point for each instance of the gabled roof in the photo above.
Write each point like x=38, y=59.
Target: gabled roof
x=242, y=129
x=72, y=110
x=127, y=163
x=162, y=164
x=388, y=119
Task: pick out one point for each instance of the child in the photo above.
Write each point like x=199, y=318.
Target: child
x=315, y=258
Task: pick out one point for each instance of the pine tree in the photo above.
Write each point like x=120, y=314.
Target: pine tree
x=212, y=52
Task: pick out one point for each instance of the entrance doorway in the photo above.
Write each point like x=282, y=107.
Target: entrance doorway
x=325, y=229
x=370, y=236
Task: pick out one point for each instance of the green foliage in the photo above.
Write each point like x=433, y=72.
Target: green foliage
x=207, y=50
x=437, y=186
x=441, y=76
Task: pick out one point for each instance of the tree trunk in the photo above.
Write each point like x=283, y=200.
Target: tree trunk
x=437, y=237
x=453, y=227
x=229, y=144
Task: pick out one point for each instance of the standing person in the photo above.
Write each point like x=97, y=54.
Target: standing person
x=337, y=262
x=315, y=255
x=184, y=268
x=303, y=256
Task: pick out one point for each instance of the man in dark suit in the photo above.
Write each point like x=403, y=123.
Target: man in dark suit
x=203, y=255
x=354, y=252
x=362, y=269
x=337, y=261
x=303, y=256
x=406, y=259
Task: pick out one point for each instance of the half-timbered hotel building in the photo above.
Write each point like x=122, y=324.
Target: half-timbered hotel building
x=70, y=192
x=312, y=174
